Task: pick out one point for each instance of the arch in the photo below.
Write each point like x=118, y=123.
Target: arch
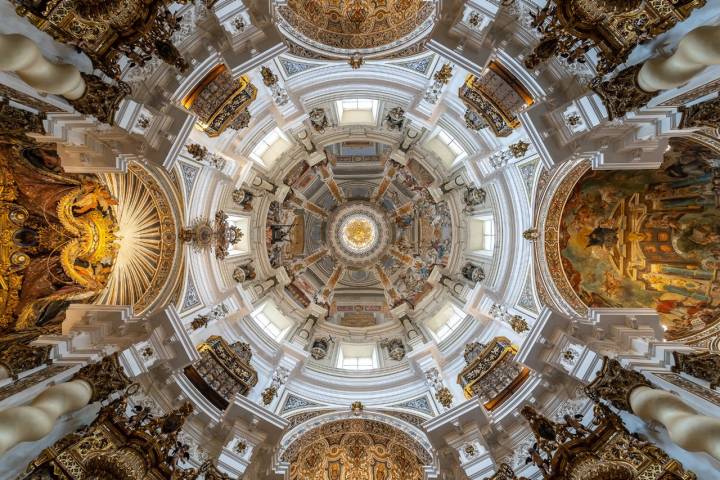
x=391, y=440
x=640, y=239
x=148, y=223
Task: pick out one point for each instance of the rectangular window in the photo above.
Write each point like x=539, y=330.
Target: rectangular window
x=488, y=235
x=446, y=321
x=271, y=320
x=267, y=325
x=357, y=357
x=481, y=235
x=447, y=148
x=357, y=111
x=269, y=149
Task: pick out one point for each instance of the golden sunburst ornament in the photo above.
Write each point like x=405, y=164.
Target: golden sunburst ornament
x=358, y=232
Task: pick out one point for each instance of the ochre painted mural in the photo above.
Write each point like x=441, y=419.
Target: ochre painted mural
x=649, y=238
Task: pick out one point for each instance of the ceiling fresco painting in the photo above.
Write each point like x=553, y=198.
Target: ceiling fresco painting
x=359, y=239
x=649, y=238
x=382, y=232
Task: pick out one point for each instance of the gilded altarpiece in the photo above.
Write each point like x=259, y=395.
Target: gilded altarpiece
x=108, y=30
x=570, y=28
x=58, y=243
x=602, y=449
x=356, y=450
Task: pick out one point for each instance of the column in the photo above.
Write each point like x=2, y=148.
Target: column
x=697, y=50
x=88, y=94
x=630, y=391
x=92, y=383
x=634, y=87
x=412, y=333
x=21, y=55
x=303, y=334
x=456, y=288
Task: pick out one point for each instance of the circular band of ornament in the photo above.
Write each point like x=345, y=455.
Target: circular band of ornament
x=358, y=234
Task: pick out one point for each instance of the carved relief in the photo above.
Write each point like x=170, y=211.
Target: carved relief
x=491, y=373
x=497, y=96
x=221, y=101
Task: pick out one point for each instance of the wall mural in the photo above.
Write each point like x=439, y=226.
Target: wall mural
x=649, y=238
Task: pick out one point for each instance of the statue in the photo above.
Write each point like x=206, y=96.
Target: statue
x=318, y=120
x=531, y=234
x=474, y=197
x=243, y=198
x=243, y=273
x=395, y=119
x=473, y=273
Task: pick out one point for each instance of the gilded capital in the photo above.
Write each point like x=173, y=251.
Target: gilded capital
x=614, y=383
x=622, y=94
x=105, y=377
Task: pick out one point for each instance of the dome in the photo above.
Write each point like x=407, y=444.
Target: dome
x=399, y=240
x=357, y=26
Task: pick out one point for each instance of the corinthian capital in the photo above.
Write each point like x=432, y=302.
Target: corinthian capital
x=614, y=384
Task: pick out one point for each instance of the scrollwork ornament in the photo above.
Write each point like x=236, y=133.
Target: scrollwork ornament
x=100, y=99
x=702, y=365
x=18, y=358
x=622, y=94
x=18, y=121
x=268, y=395
x=504, y=472
x=614, y=383
x=444, y=396
x=105, y=377
x=704, y=114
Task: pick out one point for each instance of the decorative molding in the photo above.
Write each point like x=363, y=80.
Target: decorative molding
x=192, y=298
x=293, y=67
x=421, y=404
x=293, y=402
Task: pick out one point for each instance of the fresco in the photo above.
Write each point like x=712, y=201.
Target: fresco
x=649, y=238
